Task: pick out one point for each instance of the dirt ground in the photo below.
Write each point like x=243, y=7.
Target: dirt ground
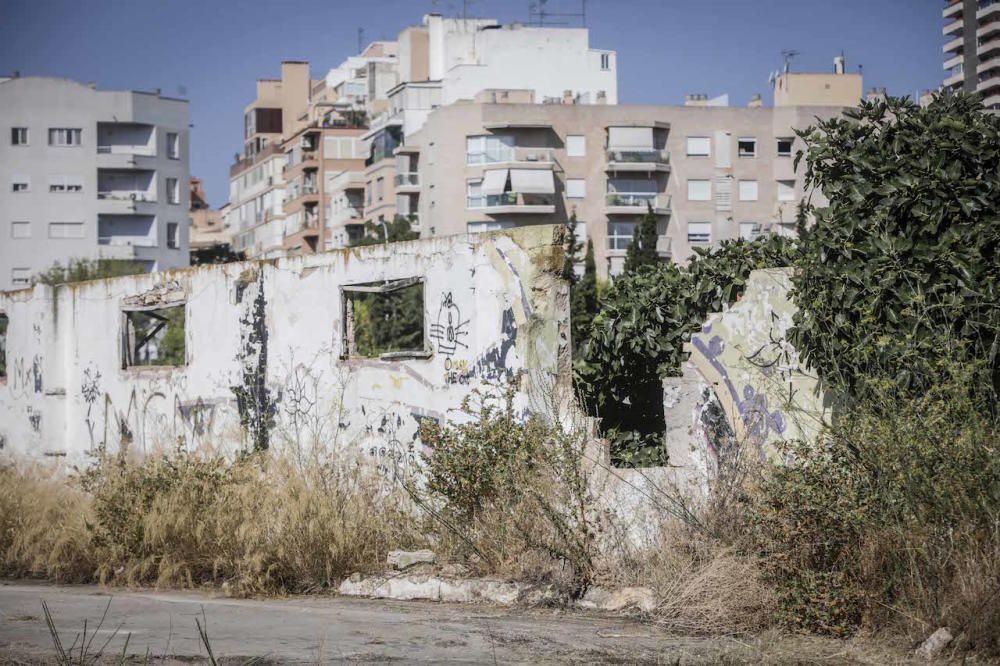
x=161, y=627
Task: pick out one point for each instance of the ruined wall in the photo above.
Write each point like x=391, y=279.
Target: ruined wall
x=742, y=386
x=265, y=358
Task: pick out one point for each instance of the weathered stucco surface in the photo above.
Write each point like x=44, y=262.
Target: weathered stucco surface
x=743, y=385
x=264, y=352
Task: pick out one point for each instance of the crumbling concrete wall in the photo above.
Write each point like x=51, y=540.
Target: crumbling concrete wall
x=743, y=385
x=265, y=357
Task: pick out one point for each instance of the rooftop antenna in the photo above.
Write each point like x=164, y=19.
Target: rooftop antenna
x=361, y=39
x=540, y=16
x=787, y=55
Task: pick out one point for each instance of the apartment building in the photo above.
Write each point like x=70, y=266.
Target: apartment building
x=447, y=61
x=972, y=48
x=90, y=174
x=709, y=172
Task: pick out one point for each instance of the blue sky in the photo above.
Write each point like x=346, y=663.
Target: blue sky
x=212, y=51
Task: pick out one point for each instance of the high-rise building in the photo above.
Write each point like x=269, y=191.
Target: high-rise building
x=90, y=174
x=972, y=48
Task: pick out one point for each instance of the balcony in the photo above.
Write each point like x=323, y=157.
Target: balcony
x=619, y=243
x=245, y=163
x=512, y=202
x=345, y=216
x=953, y=28
x=522, y=157
x=125, y=202
x=953, y=9
x=637, y=203
x=955, y=79
x=954, y=45
x=407, y=182
x=638, y=158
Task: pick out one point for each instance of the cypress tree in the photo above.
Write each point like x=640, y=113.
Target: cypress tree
x=642, y=251
x=583, y=303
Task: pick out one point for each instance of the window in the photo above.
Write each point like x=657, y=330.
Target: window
x=64, y=136
x=479, y=227
x=605, y=61
x=173, y=235
x=785, y=147
x=173, y=146
x=746, y=147
x=3, y=345
x=699, y=190
x=576, y=145
x=173, y=191
x=474, y=197
x=380, y=188
x=368, y=193
x=748, y=190
x=154, y=337
x=65, y=184
x=620, y=235
x=386, y=320
x=699, y=146
x=20, y=229
x=19, y=136
x=20, y=277
x=66, y=230
x=576, y=188
x=749, y=230
x=489, y=148
x=699, y=233
x=786, y=190
x=20, y=184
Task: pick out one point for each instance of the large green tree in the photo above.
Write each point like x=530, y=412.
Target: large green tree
x=637, y=337
x=900, y=270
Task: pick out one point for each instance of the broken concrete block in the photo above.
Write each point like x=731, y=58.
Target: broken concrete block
x=403, y=559
x=935, y=644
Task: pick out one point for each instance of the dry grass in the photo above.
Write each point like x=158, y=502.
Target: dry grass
x=43, y=526
x=260, y=525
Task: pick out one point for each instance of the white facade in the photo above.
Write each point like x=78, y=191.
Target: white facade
x=87, y=174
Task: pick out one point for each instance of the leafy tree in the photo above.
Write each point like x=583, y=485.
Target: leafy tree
x=642, y=251
x=900, y=272
x=583, y=300
x=81, y=270
x=396, y=230
x=637, y=337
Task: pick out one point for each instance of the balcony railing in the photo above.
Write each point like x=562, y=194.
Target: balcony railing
x=130, y=241
x=638, y=154
x=510, y=154
x=507, y=199
x=618, y=243
x=410, y=179
x=345, y=215
x=126, y=195
x=640, y=200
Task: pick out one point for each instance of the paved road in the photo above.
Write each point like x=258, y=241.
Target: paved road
x=317, y=629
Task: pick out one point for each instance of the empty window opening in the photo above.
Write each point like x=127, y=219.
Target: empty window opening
x=173, y=235
x=19, y=136
x=384, y=319
x=785, y=147
x=154, y=337
x=3, y=346
x=747, y=147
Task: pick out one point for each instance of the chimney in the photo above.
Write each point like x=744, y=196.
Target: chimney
x=875, y=94
x=17, y=74
x=838, y=65
x=567, y=97
x=602, y=97
x=92, y=85
x=755, y=102
x=157, y=91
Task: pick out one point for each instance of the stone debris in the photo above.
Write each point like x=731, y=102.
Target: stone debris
x=935, y=644
x=404, y=559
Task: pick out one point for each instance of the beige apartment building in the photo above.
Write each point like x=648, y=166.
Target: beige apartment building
x=972, y=48
x=709, y=173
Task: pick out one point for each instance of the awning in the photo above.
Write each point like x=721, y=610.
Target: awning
x=495, y=181
x=630, y=137
x=532, y=181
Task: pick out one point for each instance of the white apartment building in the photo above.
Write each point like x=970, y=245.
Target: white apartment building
x=972, y=48
x=88, y=174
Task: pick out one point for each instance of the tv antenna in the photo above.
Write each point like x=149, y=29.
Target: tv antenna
x=539, y=15
x=787, y=56
x=361, y=39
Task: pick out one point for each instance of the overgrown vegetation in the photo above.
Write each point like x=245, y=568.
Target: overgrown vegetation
x=81, y=270
x=583, y=289
x=642, y=251
x=260, y=524
x=637, y=337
